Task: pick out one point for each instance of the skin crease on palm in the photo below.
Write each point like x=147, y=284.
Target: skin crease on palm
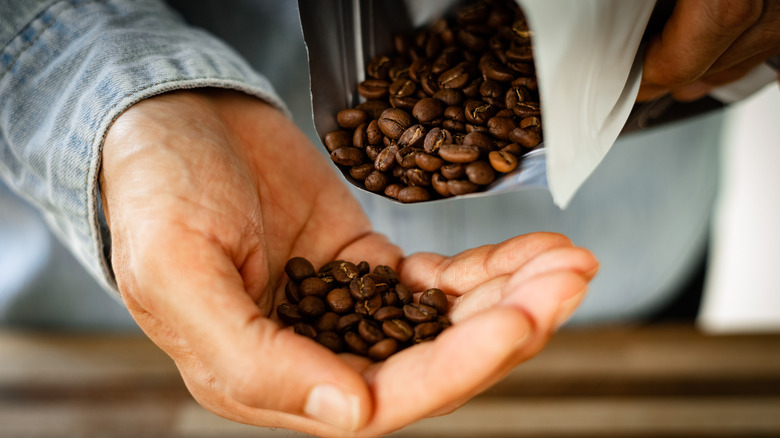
x=209, y=192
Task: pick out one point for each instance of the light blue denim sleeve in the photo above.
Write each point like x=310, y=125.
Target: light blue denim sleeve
x=68, y=69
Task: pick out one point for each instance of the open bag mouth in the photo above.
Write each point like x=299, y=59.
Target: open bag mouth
x=369, y=56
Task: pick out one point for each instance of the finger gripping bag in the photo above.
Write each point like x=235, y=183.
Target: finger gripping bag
x=587, y=67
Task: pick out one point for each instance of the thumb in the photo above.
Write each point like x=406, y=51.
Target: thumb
x=236, y=361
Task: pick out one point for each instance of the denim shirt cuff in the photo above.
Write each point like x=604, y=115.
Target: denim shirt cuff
x=65, y=77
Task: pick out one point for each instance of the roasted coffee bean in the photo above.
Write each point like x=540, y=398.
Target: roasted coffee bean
x=381, y=283
x=355, y=343
x=370, y=331
x=337, y=139
x=345, y=272
x=398, y=71
x=478, y=112
x=386, y=159
x=388, y=312
x=401, y=43
x=330, y=340
x=413, y=194
x=428, y=109
x=392, y=190
x=500, y=127
x=363, y=268
x=292, y=293
x=527, y=109
x=435, y=138
x=348, y=322
x=481, y=140
x=378, y=67
x=373, y=88
x=383, y=349
x=528, y=82
x=361, y=171
x=528, y=137
x=495, y=70
x=503, y=161
x=405, y=295
x=298, y=268
x=504, y=113
x=363, y=288
x=369, y=306
x=405, y=157
x=305, y=329
x=418, y=177
x=514, y=149
x=476, y=128
x=403, y=87
x=454, y=113
x=520, y=54
x=311, y=306
x=471, y=90
x=419, y=68
x=289, y=313
x=373, y=108
x=360, y=137
x=430, y=84
x=418, y=313
x=327, y=322
x=449, y=96
x=389, y=298
x=413, y=136
x=373, y=151
x=347, y=156
x=452, y=125
x=393, y=122
x=480, y=173
x=435, y=298
x=404, y=103
x=398, y=329
x=313, y=286
x=426, y=331
x=351, y=118
x=428, y=162
x=472, y=14
x=461, y=187
x=453, y=171
x=531, y=122
x=456, y=77
x=374, y=135
x=458, y=153
x=376, y=181
x=439, y=184
x=388, y=273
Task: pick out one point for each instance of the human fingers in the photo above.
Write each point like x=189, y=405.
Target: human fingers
x=489, y=293
x=697, y=33
x=472, y=354
x=472, y=267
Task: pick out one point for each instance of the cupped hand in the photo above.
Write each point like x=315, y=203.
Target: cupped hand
x=708, y=43
x=208, y=193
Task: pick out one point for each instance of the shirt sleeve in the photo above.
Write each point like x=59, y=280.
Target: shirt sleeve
x=68, y=69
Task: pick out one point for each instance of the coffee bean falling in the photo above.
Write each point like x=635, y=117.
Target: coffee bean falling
x=460, y=93
x=348, y=307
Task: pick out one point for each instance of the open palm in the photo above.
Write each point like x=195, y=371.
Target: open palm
x=208, y=193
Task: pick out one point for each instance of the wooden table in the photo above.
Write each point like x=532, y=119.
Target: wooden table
x=636, y=382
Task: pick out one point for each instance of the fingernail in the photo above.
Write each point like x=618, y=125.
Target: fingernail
x=331, y=405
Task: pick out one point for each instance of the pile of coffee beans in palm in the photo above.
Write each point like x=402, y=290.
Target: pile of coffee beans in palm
x=348, y=308
x=453, y=107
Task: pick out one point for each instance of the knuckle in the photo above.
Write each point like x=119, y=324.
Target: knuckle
x=729, y=16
